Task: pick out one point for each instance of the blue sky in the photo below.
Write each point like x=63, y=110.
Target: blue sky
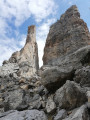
x=17, y=15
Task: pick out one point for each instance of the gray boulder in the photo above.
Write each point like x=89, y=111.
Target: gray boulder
x=60, y=115
x=50, y=105
x=53, y=77
x=23, y=115
x=79, y=114
x=13, y=99
x=82, y=76
x=70, y=96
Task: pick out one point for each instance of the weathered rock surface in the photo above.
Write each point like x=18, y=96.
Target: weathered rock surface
x=70, y=96
x=23, y=115
x=50, y=105
x=67, y=49
x=82, y=76
x=65, y=36
x=54, y=77
x=79, y=114
x=13, y=99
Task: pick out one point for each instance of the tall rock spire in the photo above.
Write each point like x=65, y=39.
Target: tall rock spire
x=66, y=36
x=27, y=57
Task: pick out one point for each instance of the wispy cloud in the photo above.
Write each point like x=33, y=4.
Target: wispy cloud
x=18, y=11
x=41, y=9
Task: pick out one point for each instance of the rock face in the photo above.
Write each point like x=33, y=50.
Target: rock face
x=67, y=49
x=65, y=36
x=24, y=115
x=70, y=96
x=27, y=57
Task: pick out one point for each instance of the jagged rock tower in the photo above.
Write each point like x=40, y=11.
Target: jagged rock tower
x=65, y=36
x=27, y=57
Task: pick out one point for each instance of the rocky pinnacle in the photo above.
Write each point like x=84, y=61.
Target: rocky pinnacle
x=28, y=55
x=66, y=36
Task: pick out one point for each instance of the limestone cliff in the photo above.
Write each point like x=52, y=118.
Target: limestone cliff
x=65, y=36
x=28, y=56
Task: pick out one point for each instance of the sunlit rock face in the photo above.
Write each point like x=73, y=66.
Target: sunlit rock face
x=65, y=36
x=27, y=57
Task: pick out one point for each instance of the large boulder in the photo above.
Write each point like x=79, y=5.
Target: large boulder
x=23, y=115
x=50, y=105
x=67, y=48
x=79, y=114
x=70, y=96
x=13, y=99
x=55, y=76
x=60, y=115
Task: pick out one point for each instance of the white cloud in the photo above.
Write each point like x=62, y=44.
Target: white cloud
x=3, y=27
x=8, y=46
x=21, y=10
x=22, y=41
x=5, y=53
x=70, y=2
x=41, y=8
x=17, y=9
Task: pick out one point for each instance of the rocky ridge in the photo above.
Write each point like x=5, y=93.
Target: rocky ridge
x=60, y=89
